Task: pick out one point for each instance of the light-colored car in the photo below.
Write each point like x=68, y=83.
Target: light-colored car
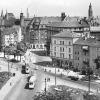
x=32, y=81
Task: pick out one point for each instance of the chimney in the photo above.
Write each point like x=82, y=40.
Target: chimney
x=63, y=16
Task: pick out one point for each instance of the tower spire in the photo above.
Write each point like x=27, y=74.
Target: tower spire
x=90, y=12
x=2, y=13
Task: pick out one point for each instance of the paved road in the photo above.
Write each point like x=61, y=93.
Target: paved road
x=19, y=92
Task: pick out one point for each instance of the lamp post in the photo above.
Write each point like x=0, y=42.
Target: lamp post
x=55, y=74
x=45, y=85
x=8, y=66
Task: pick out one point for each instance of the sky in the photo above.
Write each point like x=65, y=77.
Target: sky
x=50, y=7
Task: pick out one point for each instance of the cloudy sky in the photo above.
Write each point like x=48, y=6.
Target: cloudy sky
x=50, y=7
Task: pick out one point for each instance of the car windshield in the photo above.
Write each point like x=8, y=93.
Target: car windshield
x=31, y=83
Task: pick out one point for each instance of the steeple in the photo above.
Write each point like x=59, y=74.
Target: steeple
x=2, y=13
x=27, y=13
x=6, y=15
x=90, y=12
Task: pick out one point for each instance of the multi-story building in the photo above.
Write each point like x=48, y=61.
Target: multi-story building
x=95, y=31
x=85, y=53
x=74, y=24
x=61, y=48
x=37, y=31
x=11, y=35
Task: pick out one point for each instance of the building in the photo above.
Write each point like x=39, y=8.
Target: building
x=11, y=35
x=37, y=31
x=95, y=31
x=74, y=24
x=85, y=52
x=61, y=48
x=90, y=12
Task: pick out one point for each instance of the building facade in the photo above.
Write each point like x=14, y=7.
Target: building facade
x=61, y=48
x=11, y=35
x=74, y=24
x=85, y=53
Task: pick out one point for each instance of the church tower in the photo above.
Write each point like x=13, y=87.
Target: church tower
x=21, y=19
x=2, y=14
x=90, y=12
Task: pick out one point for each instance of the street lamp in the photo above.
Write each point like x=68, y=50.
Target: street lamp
x=45, y=85
x=55, y=74
x=8, y=67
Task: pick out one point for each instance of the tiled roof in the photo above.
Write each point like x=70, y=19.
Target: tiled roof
x=88, y=41
x=69, y=22
x=8, y=31
x=64, y=34
x=47, y=20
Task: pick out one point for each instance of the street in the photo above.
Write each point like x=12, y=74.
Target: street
x=21, y=92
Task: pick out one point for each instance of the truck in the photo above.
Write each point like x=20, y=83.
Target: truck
x=32, y=81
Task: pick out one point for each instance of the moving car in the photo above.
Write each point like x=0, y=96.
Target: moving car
x=32, y=81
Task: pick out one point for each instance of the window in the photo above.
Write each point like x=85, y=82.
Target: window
x=69, y=43
x=61, y=49
x=62, y=55
x=69, y=50
x=55, y=54
x=54, y=41
x=69, y=56
x=54, y=48
x=78, y=53
x=78, y=58
x=62, y=42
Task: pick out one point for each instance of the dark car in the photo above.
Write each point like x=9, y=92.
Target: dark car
x=74, y=78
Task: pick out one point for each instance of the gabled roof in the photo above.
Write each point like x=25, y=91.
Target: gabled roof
x=88, y=42
x=64, y=34
x=47, y=20
x=70, y=22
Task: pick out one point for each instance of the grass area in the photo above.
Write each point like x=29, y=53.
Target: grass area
x=62, y=92
x=39, y=53
x=4, y=78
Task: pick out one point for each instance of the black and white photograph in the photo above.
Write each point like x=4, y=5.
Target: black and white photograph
x=49, y=49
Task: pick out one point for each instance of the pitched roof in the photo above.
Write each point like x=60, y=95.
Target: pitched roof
x=88, y=42
x=64, y=34
x=47, y=20
x=70, y=22
x=8, y=31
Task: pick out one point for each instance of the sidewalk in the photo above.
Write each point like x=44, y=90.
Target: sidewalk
x=10, y=83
